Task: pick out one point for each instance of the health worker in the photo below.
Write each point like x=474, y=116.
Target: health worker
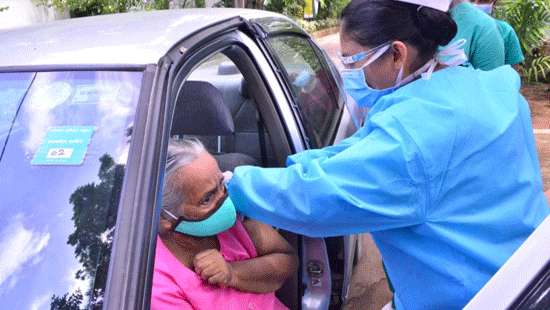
x=444, y=172
x=484, y=44
x=513, y=55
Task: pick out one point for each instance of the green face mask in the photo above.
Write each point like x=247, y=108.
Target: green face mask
x=221, y=220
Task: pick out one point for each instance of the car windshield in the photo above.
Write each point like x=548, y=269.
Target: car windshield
x=64, y=140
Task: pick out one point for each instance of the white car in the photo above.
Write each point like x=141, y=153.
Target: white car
x=87, y=107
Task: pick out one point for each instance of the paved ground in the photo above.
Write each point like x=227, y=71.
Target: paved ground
x=369, y=285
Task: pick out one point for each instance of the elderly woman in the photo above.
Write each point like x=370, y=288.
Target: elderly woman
x=206, y=256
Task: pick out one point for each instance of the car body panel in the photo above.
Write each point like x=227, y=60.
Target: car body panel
x=516, y=275
x=136, y=38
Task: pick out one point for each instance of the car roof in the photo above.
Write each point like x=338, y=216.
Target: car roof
x=135, y=38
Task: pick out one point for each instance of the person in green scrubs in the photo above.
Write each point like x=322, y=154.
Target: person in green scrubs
x=484, y=45
x=513, y=54
x=512, y=48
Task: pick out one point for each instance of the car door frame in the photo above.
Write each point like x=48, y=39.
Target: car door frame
x=130, y=274
x=265, y=28
x=276, y=114
x=129, y=281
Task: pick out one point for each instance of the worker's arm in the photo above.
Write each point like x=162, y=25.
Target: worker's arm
x=375, y=184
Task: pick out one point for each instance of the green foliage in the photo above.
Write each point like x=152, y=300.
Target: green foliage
x=294, y=8
x=3, y=8
x=81, y=8
x=291, y=8
x=538, y=69
x=530, y=19
x=275, y=5
x=332, y=9
x=327, y=17
x=316, y=25
x=200, y=3
x=67, y=302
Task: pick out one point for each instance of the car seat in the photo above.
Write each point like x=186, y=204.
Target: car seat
x=201, y=113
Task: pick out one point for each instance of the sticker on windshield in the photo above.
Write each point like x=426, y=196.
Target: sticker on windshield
x=93, y=93
x=64, y=145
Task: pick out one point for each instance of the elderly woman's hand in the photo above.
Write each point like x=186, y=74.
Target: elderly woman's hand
x=212, y=267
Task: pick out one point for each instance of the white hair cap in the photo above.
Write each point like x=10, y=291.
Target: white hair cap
x=442, y=5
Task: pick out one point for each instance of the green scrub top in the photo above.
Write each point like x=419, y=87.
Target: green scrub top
x=484, y=44
x=512, y=48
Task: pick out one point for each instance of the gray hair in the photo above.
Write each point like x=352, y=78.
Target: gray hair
x=180, y=154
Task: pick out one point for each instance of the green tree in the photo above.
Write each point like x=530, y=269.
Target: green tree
x=327, y=8
x=275, y=5
x=294, y=8
x=3, y=8
x=530, y=19
x=95, y=208
x=81, y=8
x=336, y=7
x=67, y=302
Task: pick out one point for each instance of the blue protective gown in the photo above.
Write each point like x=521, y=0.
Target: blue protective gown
x=444, y=174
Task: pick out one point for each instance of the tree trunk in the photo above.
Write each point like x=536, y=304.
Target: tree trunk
x=239, y=3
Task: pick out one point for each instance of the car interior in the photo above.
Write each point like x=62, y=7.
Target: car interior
x=216, y=107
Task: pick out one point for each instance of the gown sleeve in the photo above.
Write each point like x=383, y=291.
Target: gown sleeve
x=323, y=153
x=370, y=183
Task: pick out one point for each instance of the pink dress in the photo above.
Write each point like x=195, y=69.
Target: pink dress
x=177, y=287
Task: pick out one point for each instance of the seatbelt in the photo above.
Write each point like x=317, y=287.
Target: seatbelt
x=261, y=132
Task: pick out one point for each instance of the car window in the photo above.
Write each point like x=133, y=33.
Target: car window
x=60, y=181
x=13, y=87
x=313, y=86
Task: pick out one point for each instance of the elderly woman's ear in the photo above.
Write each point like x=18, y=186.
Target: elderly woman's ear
x=165, y=226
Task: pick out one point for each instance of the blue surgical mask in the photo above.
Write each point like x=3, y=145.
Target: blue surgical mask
x=355, y=82
x=487, y=8
x=220, y=221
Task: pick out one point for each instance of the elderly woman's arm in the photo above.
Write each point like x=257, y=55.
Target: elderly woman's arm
x=276, y=261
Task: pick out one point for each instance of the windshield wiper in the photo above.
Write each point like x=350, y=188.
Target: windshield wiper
x=15, y=117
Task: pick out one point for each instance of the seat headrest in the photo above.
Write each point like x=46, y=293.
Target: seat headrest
x=227, y=68
x=200, y=111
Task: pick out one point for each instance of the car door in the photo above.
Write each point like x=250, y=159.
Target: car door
x=315, y=92
x=280, y=117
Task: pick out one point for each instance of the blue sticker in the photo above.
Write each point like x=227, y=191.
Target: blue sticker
x=64, y=145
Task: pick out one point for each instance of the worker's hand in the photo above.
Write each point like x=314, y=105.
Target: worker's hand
x=212, y=267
